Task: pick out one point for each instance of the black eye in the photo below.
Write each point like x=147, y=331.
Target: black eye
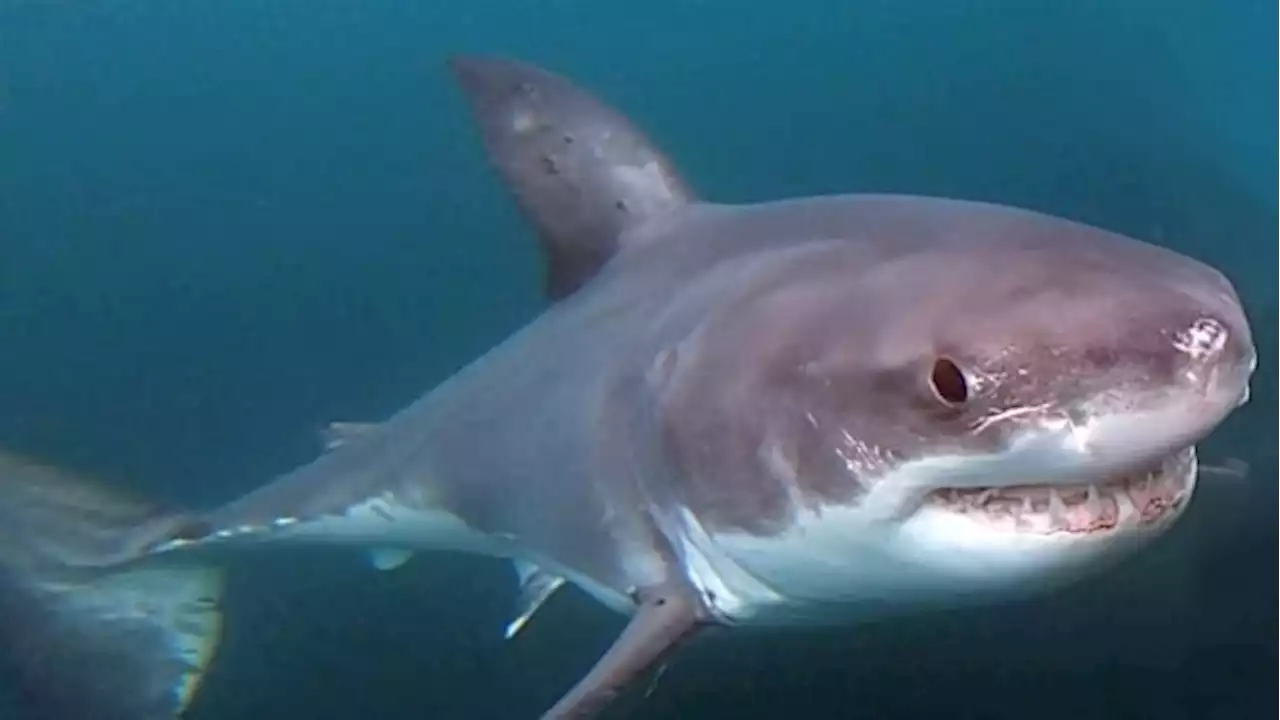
x=948, y=382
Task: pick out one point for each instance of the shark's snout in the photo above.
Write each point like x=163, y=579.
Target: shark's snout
x=1112, y=449
x=1217, y=359
x=1207, y=358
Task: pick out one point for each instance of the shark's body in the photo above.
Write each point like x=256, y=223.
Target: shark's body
x=813, y=410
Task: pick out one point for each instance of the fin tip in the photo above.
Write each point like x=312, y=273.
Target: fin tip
x=133, y=644
x=582, y=173
x=91, y=624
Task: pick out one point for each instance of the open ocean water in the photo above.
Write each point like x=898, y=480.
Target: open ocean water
x=223, y=225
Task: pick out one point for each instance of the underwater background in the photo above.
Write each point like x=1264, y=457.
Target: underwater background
x=224, y=225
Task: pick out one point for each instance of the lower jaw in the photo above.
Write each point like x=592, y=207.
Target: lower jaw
x=1140, y=499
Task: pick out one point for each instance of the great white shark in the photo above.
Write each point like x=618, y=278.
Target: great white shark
x=809, y=411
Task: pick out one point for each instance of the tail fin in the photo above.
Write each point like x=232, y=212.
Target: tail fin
x=90, y=629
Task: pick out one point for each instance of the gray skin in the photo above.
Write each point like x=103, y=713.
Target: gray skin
x=730, y=414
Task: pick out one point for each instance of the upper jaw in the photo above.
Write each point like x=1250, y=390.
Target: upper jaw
x=1090, y=444
x=1058, y=458
x=1147, y=498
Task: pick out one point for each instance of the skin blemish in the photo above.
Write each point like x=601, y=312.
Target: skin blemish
x=523, y=123
x=1205, y=338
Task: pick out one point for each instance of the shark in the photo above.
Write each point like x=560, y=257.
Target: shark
x=795, y=413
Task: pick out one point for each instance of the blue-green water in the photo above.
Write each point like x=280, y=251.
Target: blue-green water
x=224, y=225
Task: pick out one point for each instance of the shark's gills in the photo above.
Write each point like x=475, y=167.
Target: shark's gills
x=85, y=631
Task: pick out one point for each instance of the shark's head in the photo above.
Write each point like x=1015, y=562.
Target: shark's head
x=985, y=409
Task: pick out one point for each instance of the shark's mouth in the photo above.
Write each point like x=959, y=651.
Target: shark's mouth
x=1140, y=498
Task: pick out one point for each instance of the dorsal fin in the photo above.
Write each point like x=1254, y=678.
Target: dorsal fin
x=582, y=173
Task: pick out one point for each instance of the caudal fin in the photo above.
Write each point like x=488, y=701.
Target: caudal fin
x=89, y=629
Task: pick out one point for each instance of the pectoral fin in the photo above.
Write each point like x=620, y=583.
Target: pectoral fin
x=668, y=614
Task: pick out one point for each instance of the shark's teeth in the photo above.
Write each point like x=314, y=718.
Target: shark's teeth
x=1094, y=502
x=1126, y=507
x=1041, y=508
x=1057, y=509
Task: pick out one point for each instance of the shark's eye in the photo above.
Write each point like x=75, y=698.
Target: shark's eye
x=948, y=382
